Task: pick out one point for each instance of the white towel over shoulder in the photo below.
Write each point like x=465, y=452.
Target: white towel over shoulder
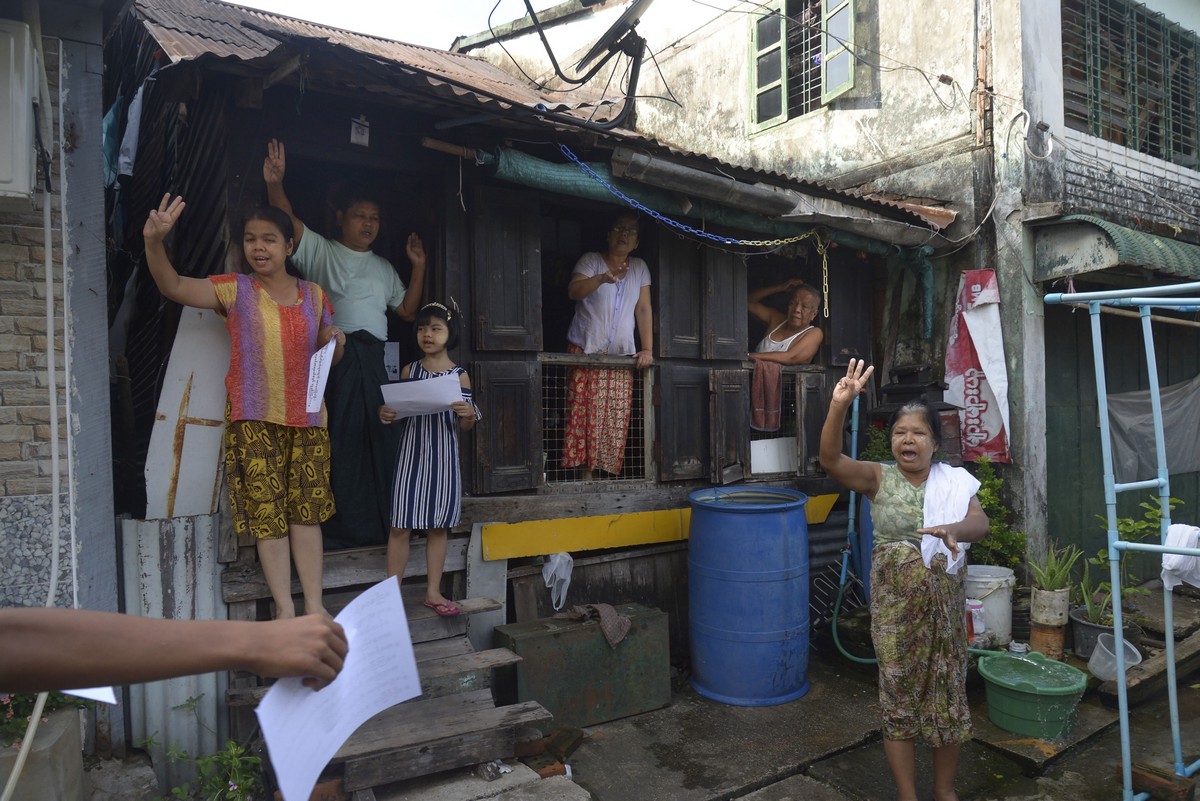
x=1179, y=567
x=948, y=494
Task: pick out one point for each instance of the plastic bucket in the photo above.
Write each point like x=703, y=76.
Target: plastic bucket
x=1032, y=695
x=1103, y=661
x=994, y=586
x=748, y=615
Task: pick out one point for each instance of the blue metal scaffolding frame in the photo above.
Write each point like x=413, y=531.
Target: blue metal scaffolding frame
x=1144, y=299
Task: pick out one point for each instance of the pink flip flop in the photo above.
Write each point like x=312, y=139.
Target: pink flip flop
x=448, y=609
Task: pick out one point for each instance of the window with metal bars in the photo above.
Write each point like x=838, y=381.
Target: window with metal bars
x=1129, y=77
x=802, y=58
x=556, y=376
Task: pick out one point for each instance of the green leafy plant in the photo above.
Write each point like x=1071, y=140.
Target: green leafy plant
x=17, y=708
x=1004, y=546
x=1096, y=599
x=231, y=774
x=879, y=447
x=1054, y=571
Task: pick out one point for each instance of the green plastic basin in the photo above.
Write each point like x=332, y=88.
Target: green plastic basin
x=1032, y=695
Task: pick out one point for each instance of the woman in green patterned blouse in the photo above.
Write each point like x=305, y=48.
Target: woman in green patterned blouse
x=917, y=611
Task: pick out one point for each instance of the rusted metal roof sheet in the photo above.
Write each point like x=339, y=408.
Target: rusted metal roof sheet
x=191, y=29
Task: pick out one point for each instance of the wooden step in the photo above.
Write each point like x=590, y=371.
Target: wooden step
x=440, y=676
x=353, y=567
x=441, y=673
x=462, y=673
x=430, y=736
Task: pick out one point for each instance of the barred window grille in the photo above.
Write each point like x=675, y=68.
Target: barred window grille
x=554, y=425
x=787, y=61
x=1129, y=77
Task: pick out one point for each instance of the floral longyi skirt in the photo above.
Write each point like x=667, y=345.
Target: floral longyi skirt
x=918, y=626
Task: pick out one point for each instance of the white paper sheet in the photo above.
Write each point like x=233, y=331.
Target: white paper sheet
x=104, y=695
x=304, y=729
x=318, y=375
x=422, y=396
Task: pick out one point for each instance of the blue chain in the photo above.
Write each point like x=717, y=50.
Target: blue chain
x=648, y=211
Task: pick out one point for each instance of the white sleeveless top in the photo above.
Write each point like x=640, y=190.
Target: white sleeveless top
x=768, y=345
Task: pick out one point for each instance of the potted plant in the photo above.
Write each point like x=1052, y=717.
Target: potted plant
x=1094, y=616
x=1050, y=599
x=1051, y=595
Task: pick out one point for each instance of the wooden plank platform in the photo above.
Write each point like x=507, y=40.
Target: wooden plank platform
x=352, y=567
x=440, y=676
x=429, y=736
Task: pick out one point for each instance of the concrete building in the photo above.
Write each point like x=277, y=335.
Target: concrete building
x=1048, y=130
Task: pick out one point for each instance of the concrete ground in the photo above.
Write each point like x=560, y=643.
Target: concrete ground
x=822, y=747
x=825, y=747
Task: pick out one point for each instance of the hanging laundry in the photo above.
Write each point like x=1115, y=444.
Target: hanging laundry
x=1132, y=423
x=1177, y=567
x=766, y=396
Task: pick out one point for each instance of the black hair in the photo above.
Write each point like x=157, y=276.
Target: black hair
x=921, y=407
x=434, y=310
x=628, y=214
x=281, y=220
x=357, y=195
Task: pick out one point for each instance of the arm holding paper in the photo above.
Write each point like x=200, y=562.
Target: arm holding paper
x=62, y=648
x=332, y=332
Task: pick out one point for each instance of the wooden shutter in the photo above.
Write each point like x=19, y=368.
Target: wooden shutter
x=683, y=415
x=508, y=440
x=725, y=319
x=811, y=405
x=730, y=434
x=679, y=291
x=506, y=270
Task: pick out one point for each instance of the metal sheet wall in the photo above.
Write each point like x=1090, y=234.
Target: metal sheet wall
x=171, y=571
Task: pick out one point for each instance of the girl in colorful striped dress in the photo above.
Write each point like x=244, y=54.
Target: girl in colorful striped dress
x=276, y=452
x=428, y=490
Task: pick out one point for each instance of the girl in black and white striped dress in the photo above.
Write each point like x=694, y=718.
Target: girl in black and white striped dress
x=428, y=489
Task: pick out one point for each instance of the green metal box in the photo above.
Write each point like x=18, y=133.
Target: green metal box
x=568, y=666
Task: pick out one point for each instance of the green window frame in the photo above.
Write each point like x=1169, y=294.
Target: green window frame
x=801, y=58
x=837, y=48
x=768, y=67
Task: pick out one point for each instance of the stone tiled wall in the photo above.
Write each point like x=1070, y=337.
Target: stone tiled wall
x=1139, y=187
x=25, y=453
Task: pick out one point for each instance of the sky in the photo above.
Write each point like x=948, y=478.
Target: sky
x=434, y=23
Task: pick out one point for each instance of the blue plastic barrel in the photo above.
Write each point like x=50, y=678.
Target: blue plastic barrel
x=748, y=595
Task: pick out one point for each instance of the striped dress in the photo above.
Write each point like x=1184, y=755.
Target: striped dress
x=428, y=489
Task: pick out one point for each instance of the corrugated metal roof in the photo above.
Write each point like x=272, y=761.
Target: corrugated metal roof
x=1169, y=256
x=191, y=29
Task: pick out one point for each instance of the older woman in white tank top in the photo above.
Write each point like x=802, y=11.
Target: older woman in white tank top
x=791, y=337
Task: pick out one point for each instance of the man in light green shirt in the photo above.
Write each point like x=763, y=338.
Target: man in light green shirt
x=363, y=287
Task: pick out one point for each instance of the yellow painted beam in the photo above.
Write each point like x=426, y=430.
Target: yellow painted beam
x=571, y=534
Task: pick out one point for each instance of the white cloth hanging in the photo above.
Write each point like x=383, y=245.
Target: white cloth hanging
x=1177, y=567
x=948, y=494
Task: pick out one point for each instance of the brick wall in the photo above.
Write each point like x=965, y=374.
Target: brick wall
x=25, y=473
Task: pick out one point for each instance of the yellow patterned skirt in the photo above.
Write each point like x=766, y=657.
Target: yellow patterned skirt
x=277, y=475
